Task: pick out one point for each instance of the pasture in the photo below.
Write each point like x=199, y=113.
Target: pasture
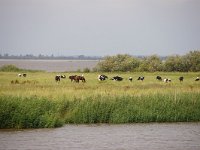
x=46, y=103
x=43, y=84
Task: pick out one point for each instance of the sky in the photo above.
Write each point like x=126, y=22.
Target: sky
x=99, y=27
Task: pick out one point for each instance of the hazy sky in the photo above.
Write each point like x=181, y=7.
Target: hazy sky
x=99, y=27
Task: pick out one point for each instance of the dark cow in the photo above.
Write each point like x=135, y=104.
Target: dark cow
x=197, y=79
x=57, y=78
x=102, y=77
x=181, y=79
x=77, y=78
x=24, y=74
x=159, y=78
x=72, y=78
x=130, y=79
x=117, y=78
x=141, y=78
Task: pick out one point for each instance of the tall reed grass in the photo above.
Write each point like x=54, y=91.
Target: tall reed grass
x=40, y=112
x=32, y=112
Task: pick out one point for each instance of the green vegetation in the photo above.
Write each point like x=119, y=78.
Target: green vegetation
x=129, y=109
x=118, y=63
x=32, y=112
x=10, y=68
x=35, y=112
x=37, y=101
x=13, y=68
x=188, y=62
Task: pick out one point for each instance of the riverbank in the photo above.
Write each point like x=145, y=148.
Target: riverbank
x=37, y=101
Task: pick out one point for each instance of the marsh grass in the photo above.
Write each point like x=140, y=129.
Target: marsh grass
x=32, y=112
x=35, y=112
x=44, y=103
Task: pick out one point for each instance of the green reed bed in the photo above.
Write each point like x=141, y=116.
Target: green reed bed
x=40, y=112
x=129, y=109
x=32, y=112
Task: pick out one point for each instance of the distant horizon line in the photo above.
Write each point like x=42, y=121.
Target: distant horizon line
x=82, y=55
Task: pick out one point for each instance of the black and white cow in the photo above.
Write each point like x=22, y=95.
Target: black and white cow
x=141, y=78
x=22, y=75
x=102, y=77
x=197, y=79
x=159, y=78
x=166, y=80
x=57, y=78
x=117, y=78
x=130, y=79
x=181, y=79
x=63, y=76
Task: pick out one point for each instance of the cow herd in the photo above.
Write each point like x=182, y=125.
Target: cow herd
x=159, y=78
x=102, y=77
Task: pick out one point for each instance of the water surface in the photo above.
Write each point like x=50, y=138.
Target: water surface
x=51, y=65
x=165, y=136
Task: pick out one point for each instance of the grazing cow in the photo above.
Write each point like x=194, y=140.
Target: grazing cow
x=57, y=78
x=24, y=74
x=77, y=78
x=181, y=79
x=102, y=77
x=197, y=79
x=72, y=77
x=130, y=79
x=167, y=80
x=159, y=78
x=63, y=76
x=117, y=78
x=141, y=78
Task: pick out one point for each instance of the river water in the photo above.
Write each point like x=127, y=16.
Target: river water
x=51, y=65
x=151, y=136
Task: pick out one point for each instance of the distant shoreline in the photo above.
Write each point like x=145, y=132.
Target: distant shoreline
x=46, y=57
x=10, y=59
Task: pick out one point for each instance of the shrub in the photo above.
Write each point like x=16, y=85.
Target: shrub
x=10, y=68
x=86, y=70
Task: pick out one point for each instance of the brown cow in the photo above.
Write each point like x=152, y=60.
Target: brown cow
x=77, y=78
x=72, y=78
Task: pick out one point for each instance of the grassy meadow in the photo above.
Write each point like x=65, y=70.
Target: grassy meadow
x=37, y=101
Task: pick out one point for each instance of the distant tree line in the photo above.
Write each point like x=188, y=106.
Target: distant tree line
x=51, y=57
x=185, y=63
